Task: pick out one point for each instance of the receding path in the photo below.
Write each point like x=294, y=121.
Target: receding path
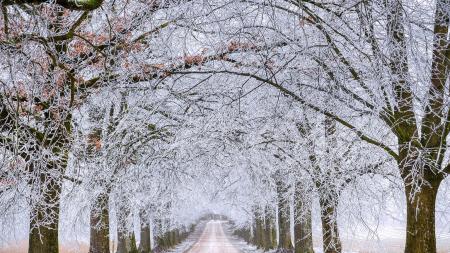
x=213, y=240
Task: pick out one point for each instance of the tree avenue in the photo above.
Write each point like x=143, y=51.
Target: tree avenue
x=294, y=119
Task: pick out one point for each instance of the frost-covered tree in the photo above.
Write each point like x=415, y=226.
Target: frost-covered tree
x=54, y=56
x=381, y=65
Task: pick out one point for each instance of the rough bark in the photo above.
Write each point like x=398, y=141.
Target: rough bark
x=303, y=225
x=420, y=216
x=269, y=235
x=259, y=237
x=284, y=240
x=159, y=239
x=144, y=245
x=133, y=246
x=44, y=217
x=329, y=198
x=274, y=236
x=420, y=228
x=43, y=238
x=99, y=227
x=330, y=231
x=173, y=237
x=124, y=242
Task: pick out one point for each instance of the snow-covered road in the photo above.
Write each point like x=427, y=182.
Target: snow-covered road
x=213, y=240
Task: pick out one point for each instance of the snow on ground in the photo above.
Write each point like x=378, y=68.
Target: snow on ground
x=214, y=237
x=190, y=240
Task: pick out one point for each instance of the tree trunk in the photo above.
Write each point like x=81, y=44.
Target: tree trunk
x=99, y=219
x=160, y=243
x=274, y=236
x=173, y=238
x=124, y=242
x=259, y=231
x=420, y=218
x=303, y=225
x=270, y=240
x=43, y=238
x=44, y=217
x=330, y=231
x=284, y=240
x=133, y=246
x=123, y=235
x=144, y=245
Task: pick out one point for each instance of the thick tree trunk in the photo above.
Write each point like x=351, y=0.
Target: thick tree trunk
x=329, y=198
x=420, y=218
x=269, y=235
x=274, y=235
x=133, y=245
x=173, y=237
x=124, y=242
x=303, y=226
x=144, y=245
x=330, y=231
x=284, y=240
x=99, y=218
x=125, y=238
x=44, y=218
x=160, y=242
x=259, y=231
x=165, y=239
x=43, y=238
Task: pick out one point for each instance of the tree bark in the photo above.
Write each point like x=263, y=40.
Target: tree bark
x=330, y=231
x=126, y=243
x=43, y=238
x=270, y=240
x=173, y=237
x=123, y=243
x=160, y=243
x=144, y=245
x=133, y=246
x=420, y=218
x=284, y=240
x=123, y=236
x=99, y=219
x=259, y=231
x=44, y=217
x=303, y=225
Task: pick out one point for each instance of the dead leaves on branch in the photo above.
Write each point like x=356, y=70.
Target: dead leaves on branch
x=306, y=20
x=94, y=142
x=160, y=70
x=193, y=59
x=240, y=46
x=86, y=42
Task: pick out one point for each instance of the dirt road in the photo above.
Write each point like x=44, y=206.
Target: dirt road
x=213, y=240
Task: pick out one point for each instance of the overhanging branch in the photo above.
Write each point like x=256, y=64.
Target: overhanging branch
x=343, y=122
x=86, y=5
